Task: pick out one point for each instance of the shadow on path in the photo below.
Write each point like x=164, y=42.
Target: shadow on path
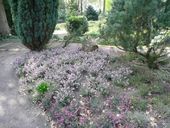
x=16, y=110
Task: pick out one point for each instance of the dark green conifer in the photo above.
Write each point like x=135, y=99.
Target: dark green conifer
x=35, y=21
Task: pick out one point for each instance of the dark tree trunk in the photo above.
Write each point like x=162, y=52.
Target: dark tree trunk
x=4, y=28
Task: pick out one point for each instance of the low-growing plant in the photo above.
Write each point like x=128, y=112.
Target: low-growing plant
x=104, y=91
x=86, y=92
x=95, y=104
x=119, y=83
x=66, y=101
x=42, y=88
x=144, y=89
x=157, y=89
x=46, y=103
x=82, y=95
x=161, y=108
x=139, y=104
x=140, y=119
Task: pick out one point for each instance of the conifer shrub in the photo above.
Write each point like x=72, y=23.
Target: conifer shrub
x=35, y=21
x=140, y=26
x=91, y=13
x=77, y=25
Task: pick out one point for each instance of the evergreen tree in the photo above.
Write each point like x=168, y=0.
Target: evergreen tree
x=91, y=13
x=134, y=24
x=35, y=21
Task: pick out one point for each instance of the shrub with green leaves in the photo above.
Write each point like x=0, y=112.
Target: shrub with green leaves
x=91, y=13
x=35, y=21
x=42, y=88
x=140, y=26
x=77, y=25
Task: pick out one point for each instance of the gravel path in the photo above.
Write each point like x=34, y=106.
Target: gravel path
x=16, y=111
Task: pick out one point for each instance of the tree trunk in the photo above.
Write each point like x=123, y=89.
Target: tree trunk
x=4, y=28
x=104, y=6
x=81, y=6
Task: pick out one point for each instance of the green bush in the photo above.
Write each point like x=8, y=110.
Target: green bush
x=139, y=26
x=77, y=25
x=91, y=14
x=35, y=21
x=42, y=88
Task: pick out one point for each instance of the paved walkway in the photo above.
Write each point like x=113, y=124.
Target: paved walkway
x=16, y=111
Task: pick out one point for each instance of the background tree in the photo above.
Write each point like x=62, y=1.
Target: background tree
x=72, y=8
x=35, y=21
x=61, y=11
x=4, y=28
x=91, y=13
x=139, y=26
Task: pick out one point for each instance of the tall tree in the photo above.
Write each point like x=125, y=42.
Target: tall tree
x=4, y=28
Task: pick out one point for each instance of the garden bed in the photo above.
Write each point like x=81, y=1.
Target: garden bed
x=78, y=89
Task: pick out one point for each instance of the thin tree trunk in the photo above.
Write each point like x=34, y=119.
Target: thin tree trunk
x=104, y=6
x=81, y=6
x=4, y=28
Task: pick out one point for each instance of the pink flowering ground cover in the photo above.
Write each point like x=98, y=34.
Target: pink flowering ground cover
x=80, y=89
